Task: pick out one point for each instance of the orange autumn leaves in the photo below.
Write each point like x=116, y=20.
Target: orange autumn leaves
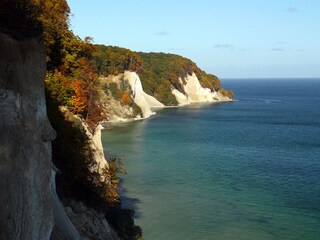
x=79, y=100
x=126, y=99
x=74, y=90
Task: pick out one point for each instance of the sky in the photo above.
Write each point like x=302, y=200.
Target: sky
x=228, y=38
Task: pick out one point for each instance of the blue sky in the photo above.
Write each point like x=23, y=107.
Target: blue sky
x=229, y=38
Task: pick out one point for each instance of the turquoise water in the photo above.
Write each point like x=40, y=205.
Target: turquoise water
x=249, y=169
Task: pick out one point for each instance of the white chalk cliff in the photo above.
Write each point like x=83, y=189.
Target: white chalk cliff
x=129, y=81
x=96, y=147
x=143, y=100
x=193, y=93
x=196, y=93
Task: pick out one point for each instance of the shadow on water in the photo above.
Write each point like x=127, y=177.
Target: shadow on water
x=129, y=202
x=125, y=135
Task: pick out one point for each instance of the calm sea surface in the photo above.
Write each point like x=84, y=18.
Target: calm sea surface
x=249, y=169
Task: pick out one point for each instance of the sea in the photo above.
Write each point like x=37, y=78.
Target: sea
x=247, y=169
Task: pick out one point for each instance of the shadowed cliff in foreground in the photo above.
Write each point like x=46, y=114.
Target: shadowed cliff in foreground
x=30, y=207
x=25, y=148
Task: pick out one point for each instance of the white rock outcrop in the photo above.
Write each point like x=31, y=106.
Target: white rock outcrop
x=130, y=82
x=182, y=99
x=196, y=93
x=142, y=99
x=97, y=148
x=127, y=82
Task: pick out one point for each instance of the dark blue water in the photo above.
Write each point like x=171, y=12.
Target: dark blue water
x=249, y=169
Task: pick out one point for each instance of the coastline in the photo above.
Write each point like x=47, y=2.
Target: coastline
x=234, y=185
x=127, y=120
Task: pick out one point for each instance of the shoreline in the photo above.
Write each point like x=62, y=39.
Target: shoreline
x=129, y=120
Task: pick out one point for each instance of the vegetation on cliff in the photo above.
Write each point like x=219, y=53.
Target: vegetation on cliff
x=158, y=71
x=227, y=93
x=73, y=156
x=121, y=92
x=74, y=67
x=161, y=71
x=114, y=60
x=72, y=84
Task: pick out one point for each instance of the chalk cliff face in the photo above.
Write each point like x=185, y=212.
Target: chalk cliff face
x=195, y=92
x=95, y=146
x=143, y=100
x=25, y=148
x=128, y=82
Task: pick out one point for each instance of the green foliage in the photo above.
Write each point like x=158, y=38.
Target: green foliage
x=59, y=88
x=164, y=95
x=227, y=93
x=55, y=21
x=161, y=70
x=164, y=69
x=158, y=71
x=171, y=67
x=114, y=60
x=208, y=80
x=136, y=110
x=114, y=90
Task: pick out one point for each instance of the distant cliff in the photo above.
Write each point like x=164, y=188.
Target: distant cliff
x=133, y=84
